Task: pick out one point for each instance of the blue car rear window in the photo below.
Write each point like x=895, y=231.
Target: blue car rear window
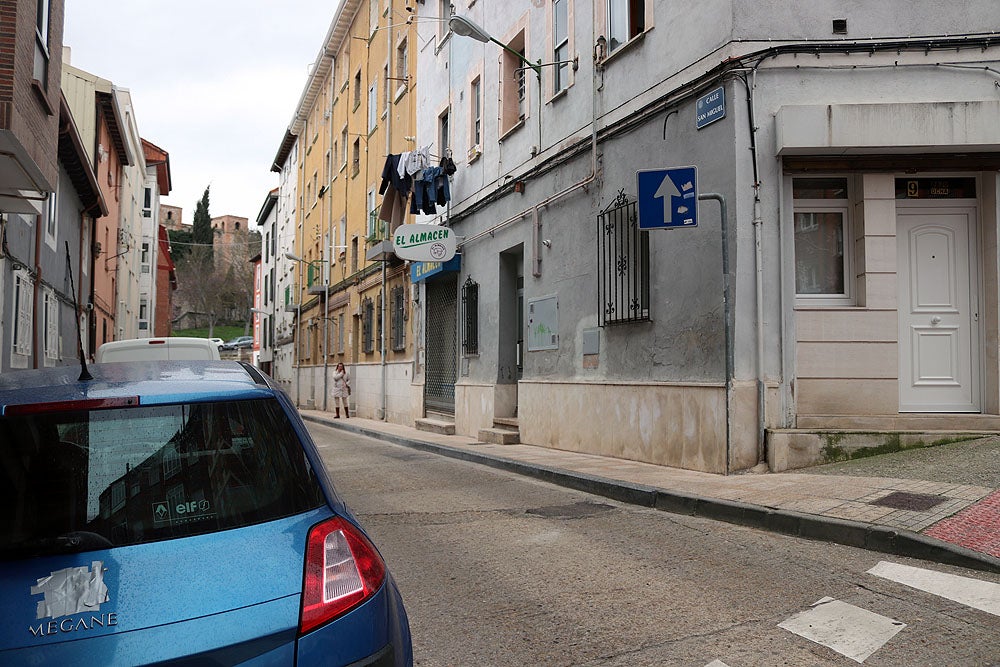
x=78, y=481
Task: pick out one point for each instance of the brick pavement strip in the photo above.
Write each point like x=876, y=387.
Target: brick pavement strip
x=976, y=527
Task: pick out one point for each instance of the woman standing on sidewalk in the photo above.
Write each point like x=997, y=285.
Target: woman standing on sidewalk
x=341, y=390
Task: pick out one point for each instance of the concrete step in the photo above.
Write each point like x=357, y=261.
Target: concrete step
x=506, y=422
x=439, y=426
x=499, y=436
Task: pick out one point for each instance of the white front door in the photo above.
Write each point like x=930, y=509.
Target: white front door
x=938, y=308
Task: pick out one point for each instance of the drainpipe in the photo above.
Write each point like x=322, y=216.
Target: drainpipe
x=727, y=301
x=759, y=257
x=328, y=251
x=759, y=270
x=300, y=234
x=39, y=221
x=388, y=151
x=758, y=224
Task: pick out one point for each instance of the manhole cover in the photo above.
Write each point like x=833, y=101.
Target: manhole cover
x=574, y=511
x=901, y=500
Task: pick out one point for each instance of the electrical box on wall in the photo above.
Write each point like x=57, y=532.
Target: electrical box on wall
x=543, y=323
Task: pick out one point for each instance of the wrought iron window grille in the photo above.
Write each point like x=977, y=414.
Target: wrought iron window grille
x=470, y=317
x=623, y=264
x=398, y=318
x=367, y=325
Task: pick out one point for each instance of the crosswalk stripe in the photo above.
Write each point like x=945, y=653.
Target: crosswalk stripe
x=851, y=631
x=981, y=595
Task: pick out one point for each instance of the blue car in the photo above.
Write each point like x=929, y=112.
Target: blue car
x=179, y=512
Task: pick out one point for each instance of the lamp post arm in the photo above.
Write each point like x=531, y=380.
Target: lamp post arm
x=536, y=67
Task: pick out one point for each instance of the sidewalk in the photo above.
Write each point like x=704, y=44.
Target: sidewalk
x=947, y=523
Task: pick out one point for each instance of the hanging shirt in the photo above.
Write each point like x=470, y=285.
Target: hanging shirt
x=418, y=160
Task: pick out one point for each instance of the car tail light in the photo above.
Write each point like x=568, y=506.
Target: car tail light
x=343, y=569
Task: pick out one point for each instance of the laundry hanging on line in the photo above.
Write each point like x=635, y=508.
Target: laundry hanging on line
x=411, y=175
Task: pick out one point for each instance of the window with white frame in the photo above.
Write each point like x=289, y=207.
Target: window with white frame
x=444, y=13
x=560, y=44
x=476, y=112
x=143, y=314
x=402, y=62
x=626, y=20
x=522, y=88
x=444, y=133
x=145, y=258
x=372, y=16
x=373, y=221
x=343, y=147
x=386, y=90
x=23, y=306
x=51, y=218
x=50, y=324
x=823, y=240
x=372, y=105
x=171, y=463
x=41, y=65
x=513, y=90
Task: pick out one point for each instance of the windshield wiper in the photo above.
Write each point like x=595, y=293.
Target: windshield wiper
x=68, y=543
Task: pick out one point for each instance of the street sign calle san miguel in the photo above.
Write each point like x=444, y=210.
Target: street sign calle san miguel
x=424, y=243
x=710, y=108
x=668, y=198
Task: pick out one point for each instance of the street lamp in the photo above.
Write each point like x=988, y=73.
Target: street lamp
x=326, y=327
x=465, y=28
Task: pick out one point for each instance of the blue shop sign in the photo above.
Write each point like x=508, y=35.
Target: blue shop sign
x=424, y=270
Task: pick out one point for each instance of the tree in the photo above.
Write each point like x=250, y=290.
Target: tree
x=200, y=286
x=218, y=291
x=180, y=243
x=201, y=231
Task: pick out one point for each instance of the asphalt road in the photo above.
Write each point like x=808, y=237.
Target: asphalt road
x=974, y=462
x=498, y=569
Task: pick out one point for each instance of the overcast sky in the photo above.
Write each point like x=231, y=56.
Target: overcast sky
x=213, y=82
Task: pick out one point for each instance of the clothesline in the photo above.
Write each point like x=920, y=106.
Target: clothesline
x=410, y=177
x=433, y=155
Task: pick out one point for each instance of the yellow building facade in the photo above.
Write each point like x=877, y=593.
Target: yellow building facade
x=353, y=299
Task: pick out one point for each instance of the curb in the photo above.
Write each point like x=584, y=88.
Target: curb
x=871, y=537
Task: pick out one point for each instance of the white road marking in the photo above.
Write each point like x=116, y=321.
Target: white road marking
x=851, y=631
x=981, y=595
x=716, y=663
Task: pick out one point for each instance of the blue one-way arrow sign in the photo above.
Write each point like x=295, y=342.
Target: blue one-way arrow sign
x=668, y=198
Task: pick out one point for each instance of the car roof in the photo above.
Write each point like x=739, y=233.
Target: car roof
x=171, y=347
x=154, y=382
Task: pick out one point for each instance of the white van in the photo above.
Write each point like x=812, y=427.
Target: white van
x=157, y=349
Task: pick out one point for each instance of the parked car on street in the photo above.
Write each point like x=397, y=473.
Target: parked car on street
x=237, y=343
x=151, y=349
x=217, y=341
x=179, y=512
